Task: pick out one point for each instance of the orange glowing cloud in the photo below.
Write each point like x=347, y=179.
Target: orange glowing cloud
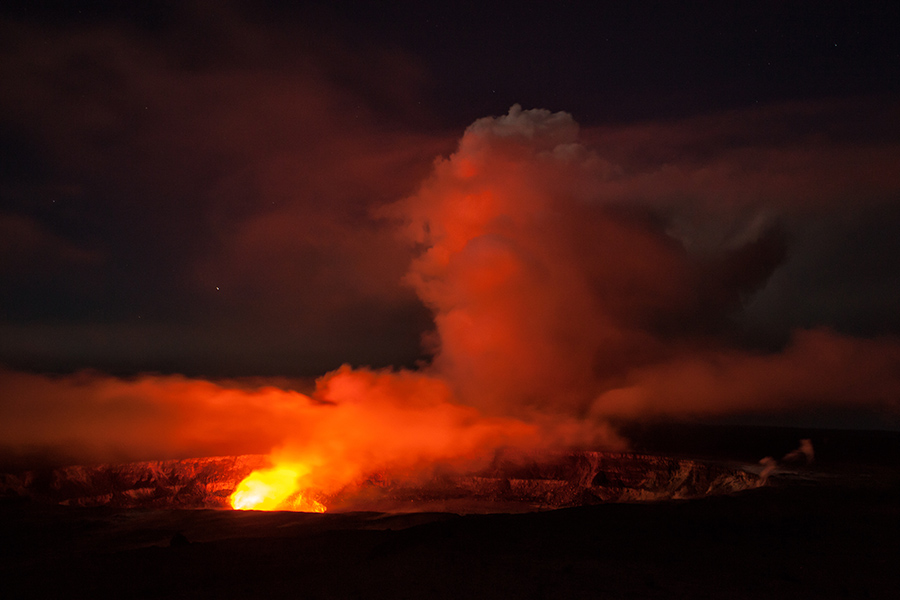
x=561, y=309
x=532, y=285
x=559, y=305
x=357, y=423
x=554, y=293
x=818, y=370
x=395, y=424
x=90, y=417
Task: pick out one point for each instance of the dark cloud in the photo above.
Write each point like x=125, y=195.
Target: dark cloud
x=230, y=197
x=816, y=180
x=217, y=190
x=27, y=247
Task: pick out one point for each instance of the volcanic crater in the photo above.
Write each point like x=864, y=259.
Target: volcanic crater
x=557, y=480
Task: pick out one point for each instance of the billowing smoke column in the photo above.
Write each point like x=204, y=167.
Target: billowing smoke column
x=557, y=308
x=516, y=321
x=558, y=305
x=540, y=291
x=555, y=294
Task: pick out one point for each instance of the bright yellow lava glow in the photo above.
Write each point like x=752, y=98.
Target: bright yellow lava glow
x=277, y=488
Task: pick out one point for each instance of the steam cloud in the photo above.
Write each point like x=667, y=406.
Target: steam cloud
x=552, y=292
x=559, y=303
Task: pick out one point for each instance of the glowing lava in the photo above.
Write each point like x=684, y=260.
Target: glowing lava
x=277, y=488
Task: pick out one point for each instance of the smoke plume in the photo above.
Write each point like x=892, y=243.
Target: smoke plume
x=559, y=304
x=553, y=293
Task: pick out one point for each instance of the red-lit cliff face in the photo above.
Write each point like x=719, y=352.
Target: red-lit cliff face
x=556, y=481
x=191, y=483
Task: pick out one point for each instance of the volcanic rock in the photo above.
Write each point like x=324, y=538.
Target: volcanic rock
x=565, y=480
x=189, y=483
x=549, y=482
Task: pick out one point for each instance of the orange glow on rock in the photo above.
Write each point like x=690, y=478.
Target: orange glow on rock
x=365, y=424
x=276, y=488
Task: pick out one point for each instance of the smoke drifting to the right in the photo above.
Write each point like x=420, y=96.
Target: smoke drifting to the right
x=554, y=294
x=562, y=305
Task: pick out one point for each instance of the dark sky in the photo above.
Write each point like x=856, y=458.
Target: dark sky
x=201, y=187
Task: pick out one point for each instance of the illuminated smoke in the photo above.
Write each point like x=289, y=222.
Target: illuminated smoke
x=558, y=306
x=769, y=466
x=819, y=369
x=532, y=282
x=395, y=424
x=91, y=417
x=552, y=293
x=804, y=453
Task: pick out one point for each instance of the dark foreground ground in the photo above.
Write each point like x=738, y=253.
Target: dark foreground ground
x=831, y=530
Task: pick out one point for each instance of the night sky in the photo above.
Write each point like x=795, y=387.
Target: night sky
x=250, y=189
